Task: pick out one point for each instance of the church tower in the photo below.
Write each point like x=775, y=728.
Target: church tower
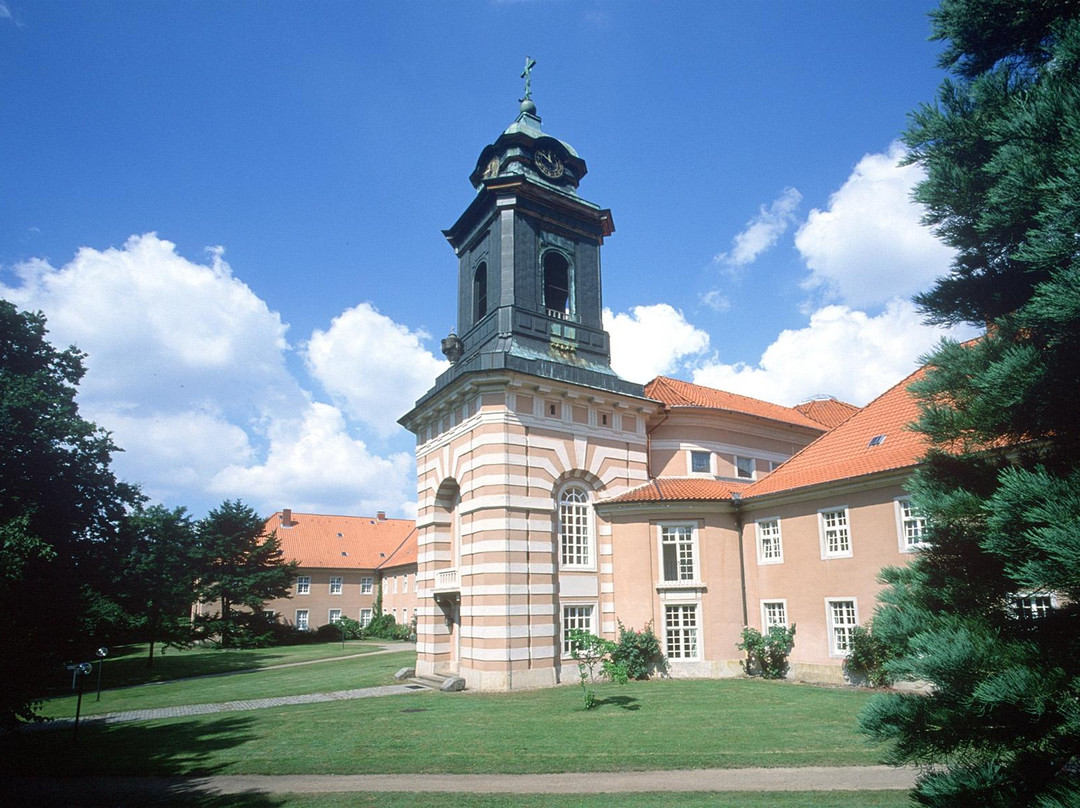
x=527, y=428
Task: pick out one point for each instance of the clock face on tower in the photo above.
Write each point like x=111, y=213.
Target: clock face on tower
x=548, y=163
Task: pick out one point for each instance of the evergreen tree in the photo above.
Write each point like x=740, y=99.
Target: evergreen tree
x=60, y=512
x=158, y=574
x=1001, y=483
x=242, y=566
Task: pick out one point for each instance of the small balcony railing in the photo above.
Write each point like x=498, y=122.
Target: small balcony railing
x=446, y=580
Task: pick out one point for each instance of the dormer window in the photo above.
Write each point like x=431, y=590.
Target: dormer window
x=480, y=281
x=556, y=284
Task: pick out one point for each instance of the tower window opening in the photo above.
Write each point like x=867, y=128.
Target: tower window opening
x=480, y=291
x=556, y=284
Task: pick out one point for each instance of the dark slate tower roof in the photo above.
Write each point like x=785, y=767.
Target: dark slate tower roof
x=529, y=281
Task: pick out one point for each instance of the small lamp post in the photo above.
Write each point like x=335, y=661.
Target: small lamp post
x=102, y=652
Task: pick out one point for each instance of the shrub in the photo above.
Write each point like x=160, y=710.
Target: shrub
x=639, y=652
x=591, y=652
x=384, y=627
x=866, y=658
x=767, y=654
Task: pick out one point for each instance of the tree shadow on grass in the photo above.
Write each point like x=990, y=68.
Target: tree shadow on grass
x=622, y=702
x=129, y=764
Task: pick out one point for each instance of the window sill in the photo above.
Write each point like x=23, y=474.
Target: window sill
x=680, y=584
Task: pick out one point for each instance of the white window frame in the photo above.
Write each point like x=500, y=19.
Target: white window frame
x=366, y=616
x=823, y=529
x=674, y=651
x=690, y=463
x=302, y=620
x=695, y=556
x=753, y=468
x=760, y=537
x=583, y=548
x=903, y=519
x=405, y=584
x=1032, y=610
x=333, y=615
x=588, y=624
x=303, y=584
x=367, y=585
x=765, y=610
x=337, y=584
x=838, y=629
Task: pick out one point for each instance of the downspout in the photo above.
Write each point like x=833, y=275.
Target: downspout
x=736, y=501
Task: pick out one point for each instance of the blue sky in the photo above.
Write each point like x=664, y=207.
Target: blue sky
x=235, y=209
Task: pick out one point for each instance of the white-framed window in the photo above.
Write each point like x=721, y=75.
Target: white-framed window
x=1032, y=607
x=405, y=582
x=575, y=616
x=334, y=615
x=910, y=526
x=681, y=630
x=744, y=467
x=365, y=617
x=773, y=613
x=393, y=586
x=835, y=533
x=770, y=546
x=367, y=585
x=678, y=552
x=337, y=583
x=575, y=527
x=303, y=584
x=700, y=461
x=842, y=615
x=301, y=619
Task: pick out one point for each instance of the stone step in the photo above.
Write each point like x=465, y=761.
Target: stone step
x=445, y=684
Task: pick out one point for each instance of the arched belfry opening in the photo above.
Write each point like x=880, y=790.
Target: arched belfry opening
x=557, y=276
x=480, y=292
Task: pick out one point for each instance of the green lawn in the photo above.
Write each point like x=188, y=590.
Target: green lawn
x=341, y=674
x=672, y=724
x=126, y=665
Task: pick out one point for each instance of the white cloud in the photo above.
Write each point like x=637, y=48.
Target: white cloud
x=716, y=301
x=374, y=368
x=869, y=245
x=842, y=352
x=187, y=367
x=651, y=340
x=763, y=231
x=314, y=465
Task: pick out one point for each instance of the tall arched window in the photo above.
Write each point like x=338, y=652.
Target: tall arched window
x=575, y=527
x=556, y=284
x=480, y=283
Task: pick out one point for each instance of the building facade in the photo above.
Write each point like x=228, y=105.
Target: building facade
x=554, y=495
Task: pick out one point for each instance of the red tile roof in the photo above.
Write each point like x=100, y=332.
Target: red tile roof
x=845, y=452
x=343, y=542
x=677, y=393
x=828, y=411
x=665, y=489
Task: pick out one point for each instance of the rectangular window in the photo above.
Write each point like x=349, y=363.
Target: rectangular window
x=700, y=462
x=335, y=615
x=911, y=526
x=773, y=613
x=1032, y=607
x=842, y=618
x=770, y=548
x=575, y=617
x=365, y=617
x=301, y=619
x=405, y=582
x=336, y=584
x=835, y=538
x=366, y=585
x=303, y=584
x=677, y=557
x=681, y=631
x=269, y=614
x=744, y=468
x=393, y=586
